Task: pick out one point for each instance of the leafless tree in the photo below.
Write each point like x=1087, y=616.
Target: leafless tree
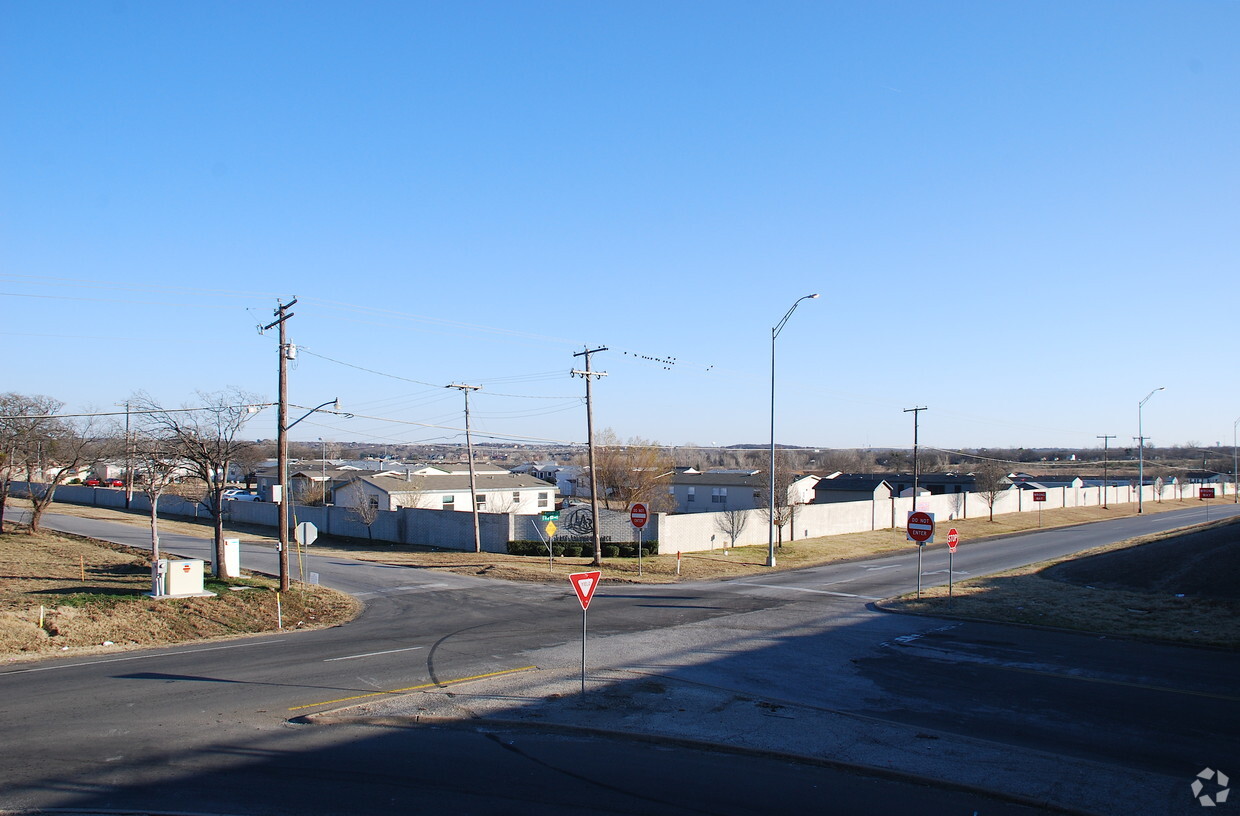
x=988, y=478
x=634, y=471
x=363, y=507
x=206, y=437
x=155, y=462
x=780, y=509
x=44, y=447
x=731, y=523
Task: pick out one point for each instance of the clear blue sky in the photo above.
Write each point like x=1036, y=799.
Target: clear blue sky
x=1021, y=215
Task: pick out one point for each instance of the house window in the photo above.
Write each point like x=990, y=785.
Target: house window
x=449, y=502
x=482, y=500
x=542, y=499
x=719, y=495
x=516, y=497
x=374, y=503
x=692, y=496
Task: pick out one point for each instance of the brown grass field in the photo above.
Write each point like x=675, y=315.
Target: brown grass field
x=64, y=594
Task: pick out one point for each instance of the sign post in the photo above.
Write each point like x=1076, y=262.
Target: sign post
x=638, y=515
x=953, y=538
x=1039, y=496
x=584, y=584
x=920, y=529
x=1206, y=493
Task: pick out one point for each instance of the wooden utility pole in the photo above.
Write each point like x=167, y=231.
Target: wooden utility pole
x=916, y=470
x=588, y=375
x=469, y=447
x=282, y=315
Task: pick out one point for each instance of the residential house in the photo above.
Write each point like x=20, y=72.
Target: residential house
x=848, y=487
x=496, y=492
x=717, y=490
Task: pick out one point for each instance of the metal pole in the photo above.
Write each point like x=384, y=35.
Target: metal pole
x=919, y=549
x=1235, y=474
x=583, y=651
x=772, y=506
x=639, y=552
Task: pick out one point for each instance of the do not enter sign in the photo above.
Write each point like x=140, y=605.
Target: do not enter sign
x=920, y=528
x=638, y=515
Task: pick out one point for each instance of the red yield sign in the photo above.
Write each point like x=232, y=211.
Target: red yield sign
x=953, y=538
x=584, y=584
x=638, y=515
x=920, y=527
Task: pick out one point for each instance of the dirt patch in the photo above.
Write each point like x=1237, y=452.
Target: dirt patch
x=1162, y=587
x=62, y=594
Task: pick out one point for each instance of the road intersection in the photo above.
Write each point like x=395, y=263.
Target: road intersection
x=796, y=663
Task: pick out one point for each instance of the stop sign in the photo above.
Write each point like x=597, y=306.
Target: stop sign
x=638, y=515
x=953, y=538
x=921, y=527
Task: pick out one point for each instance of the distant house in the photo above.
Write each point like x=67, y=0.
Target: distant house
x=496, y=492
x=717, y=490
x=847, y=487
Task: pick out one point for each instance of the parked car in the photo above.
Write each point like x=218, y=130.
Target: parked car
x=239, y=495
x=115, y=482
x=93, y=482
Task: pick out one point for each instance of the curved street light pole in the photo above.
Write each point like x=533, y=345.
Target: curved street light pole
x=1235, y=475
x=1141, y=448
x=771, y=507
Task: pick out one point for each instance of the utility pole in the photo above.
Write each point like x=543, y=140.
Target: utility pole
x=916, y=412
x=469, y=447
x=1104, y=438
x=282, y=315
x=587, y=374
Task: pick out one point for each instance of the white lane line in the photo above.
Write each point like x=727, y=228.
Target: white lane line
x=883, y=567
x=138, y=657
x=371, y=654
x=806, y=589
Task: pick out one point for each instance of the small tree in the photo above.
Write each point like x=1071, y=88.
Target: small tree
x=207, y=439
x=155, y=462
x=363, y=507
x=43, y=447
x=779, y=507
x=731, y=523
x=632, y=471
x=989, y=480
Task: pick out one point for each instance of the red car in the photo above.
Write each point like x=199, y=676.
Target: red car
x=115, y=482
x=92, y=482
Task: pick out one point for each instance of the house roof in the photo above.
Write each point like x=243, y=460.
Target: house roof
x=856, y=483
x=452, y=481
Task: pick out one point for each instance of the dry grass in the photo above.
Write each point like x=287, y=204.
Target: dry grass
x=739, y=561
x=1035, y=595
x=64, y=594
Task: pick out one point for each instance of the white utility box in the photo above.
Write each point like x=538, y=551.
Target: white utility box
x=178, y=579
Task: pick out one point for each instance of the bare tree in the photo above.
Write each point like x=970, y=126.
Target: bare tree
x=780, y=509
x=988, y=478
x=206, y=437
x=156, y=463
x=731, y=523
x=44, y=447
x=634, y=471
x=363, y=507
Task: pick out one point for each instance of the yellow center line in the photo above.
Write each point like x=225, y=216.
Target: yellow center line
x=415, y=688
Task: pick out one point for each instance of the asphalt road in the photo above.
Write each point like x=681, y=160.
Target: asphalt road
x=213, y=728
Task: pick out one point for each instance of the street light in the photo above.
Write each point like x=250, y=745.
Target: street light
x=1235, y=475
x=1141, y=448
x=282, y=430
x=770, y=549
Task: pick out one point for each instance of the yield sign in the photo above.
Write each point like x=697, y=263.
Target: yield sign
x=584, y=584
